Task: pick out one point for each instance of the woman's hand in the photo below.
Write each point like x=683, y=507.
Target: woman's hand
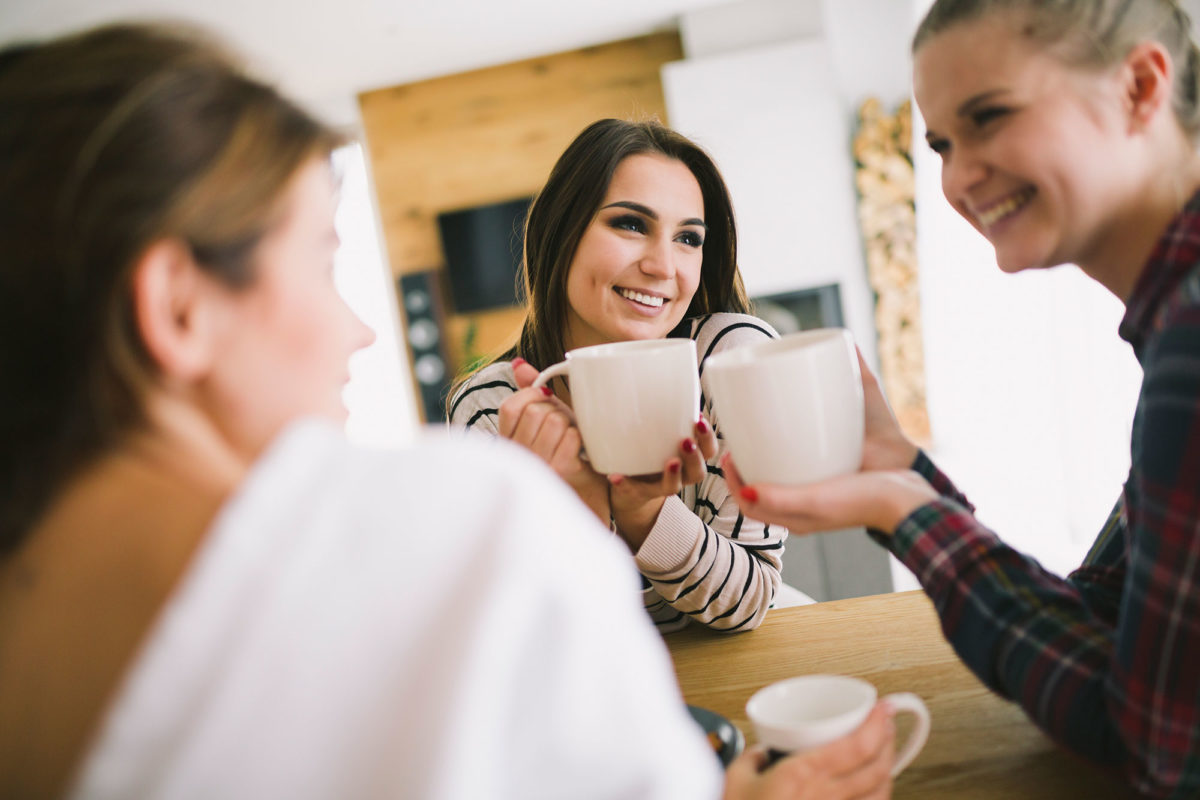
x=879, y=499
x=545, y=425
x=884, y=445
x=856, y=766
x=882, y=494
x=637, y=500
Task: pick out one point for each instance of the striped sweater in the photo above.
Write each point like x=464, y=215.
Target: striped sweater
x=703, y=560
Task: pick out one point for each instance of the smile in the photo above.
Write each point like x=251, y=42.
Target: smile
x=1006, y=207
x=638, y=297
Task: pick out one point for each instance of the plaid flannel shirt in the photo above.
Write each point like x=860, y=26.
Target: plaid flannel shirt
x=1107, y=661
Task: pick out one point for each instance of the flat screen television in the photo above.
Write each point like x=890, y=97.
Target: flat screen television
x=483, y=248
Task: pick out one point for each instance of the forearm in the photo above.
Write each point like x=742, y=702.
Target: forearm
x=1034, y=638
x=725, y=583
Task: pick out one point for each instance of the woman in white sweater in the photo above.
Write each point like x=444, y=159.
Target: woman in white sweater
x=204, y=591
x=633, y=237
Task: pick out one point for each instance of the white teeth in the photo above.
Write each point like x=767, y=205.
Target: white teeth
x=638, y=297
x=1005, y=207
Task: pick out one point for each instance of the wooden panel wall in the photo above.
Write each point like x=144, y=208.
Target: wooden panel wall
x=490, y=135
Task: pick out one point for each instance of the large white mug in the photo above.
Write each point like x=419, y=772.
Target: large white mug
x=799, y=714
x=790, y=409
x=634, y=402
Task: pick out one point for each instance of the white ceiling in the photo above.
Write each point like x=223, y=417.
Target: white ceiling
x=324, y=51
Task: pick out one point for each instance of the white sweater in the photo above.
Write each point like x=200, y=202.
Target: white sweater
x=364, y=624
x=703, y=559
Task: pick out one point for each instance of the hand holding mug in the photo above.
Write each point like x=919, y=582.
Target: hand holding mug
x=538, y=420
x=879, y=499
x=803, y=714
x=884, y=444
x=637, y=500
x=858, y=765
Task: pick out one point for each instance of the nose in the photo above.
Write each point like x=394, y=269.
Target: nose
x=961, y=173
x=359, y=335
x=658, y=259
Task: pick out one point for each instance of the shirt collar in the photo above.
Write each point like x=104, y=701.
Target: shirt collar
x=1173, y=257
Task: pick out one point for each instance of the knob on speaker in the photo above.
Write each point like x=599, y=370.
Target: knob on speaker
x=422, y=312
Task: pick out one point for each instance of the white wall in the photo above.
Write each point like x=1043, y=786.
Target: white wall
x=379, y=396
x=772, y=121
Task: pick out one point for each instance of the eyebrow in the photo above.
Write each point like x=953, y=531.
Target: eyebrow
x=967, y=107
x=651, y=213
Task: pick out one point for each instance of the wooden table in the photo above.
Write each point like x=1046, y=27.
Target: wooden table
x=980, y=746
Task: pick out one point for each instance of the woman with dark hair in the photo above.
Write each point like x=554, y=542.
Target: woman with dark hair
x=205, y=592
x=633, y=237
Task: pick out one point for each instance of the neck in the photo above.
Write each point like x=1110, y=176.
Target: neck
x=1117, y=260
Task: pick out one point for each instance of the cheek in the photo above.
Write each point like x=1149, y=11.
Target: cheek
x=688, y=277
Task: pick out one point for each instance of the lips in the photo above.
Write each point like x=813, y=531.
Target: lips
x=1004, y=207
x=651, y=300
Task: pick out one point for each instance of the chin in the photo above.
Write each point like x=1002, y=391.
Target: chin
x=1012, y=263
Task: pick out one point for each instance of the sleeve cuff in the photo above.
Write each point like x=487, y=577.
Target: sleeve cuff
x=923, y=540
x=672, y=540
x=940, y=482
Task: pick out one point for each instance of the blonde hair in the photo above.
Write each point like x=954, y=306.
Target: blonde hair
x=1093, y=33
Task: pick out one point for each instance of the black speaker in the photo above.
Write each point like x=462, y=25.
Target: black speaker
x=421, y=296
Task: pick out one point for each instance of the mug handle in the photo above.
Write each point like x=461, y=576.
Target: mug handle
x=907, y=701
x=545, y=375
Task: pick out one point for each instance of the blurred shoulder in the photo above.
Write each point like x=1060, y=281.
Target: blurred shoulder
x=477, y=492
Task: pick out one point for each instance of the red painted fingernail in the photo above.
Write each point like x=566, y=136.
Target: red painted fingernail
x=518, y=361
x=547, y=391
x=689, y=446
x=673, y=467
x=749, y=494
x=702, y=425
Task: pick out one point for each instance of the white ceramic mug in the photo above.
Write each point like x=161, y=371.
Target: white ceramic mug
x=634, y=402
x=799, y=714
x=790, y=409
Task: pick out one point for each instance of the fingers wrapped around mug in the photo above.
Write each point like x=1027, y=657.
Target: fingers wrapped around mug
x=884, y=444
x=856, y=766
x=524, y=414
x=878, y=500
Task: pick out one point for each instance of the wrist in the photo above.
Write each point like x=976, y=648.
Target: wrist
x=596, y=498
x=634, y=524
x=905, y=491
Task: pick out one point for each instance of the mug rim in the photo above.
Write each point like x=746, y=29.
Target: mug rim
x=627, y=345
x=756, y=352
x=763, y=706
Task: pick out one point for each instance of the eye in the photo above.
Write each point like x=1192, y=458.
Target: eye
x=981, y=117
x=939, y=146
x=691, y=239
x=628, y=222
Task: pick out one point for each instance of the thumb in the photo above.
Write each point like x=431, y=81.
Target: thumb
x=524, y=372
x=743, y=772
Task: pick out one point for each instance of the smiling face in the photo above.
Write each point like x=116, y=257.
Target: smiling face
x=288, y=336
x=1033, y=150
x=638, y=263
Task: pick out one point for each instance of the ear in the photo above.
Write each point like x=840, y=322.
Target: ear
x=173, y=308
x=1148, y=77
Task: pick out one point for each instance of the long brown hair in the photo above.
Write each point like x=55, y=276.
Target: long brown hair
x=570, y=199
x=111, y=140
